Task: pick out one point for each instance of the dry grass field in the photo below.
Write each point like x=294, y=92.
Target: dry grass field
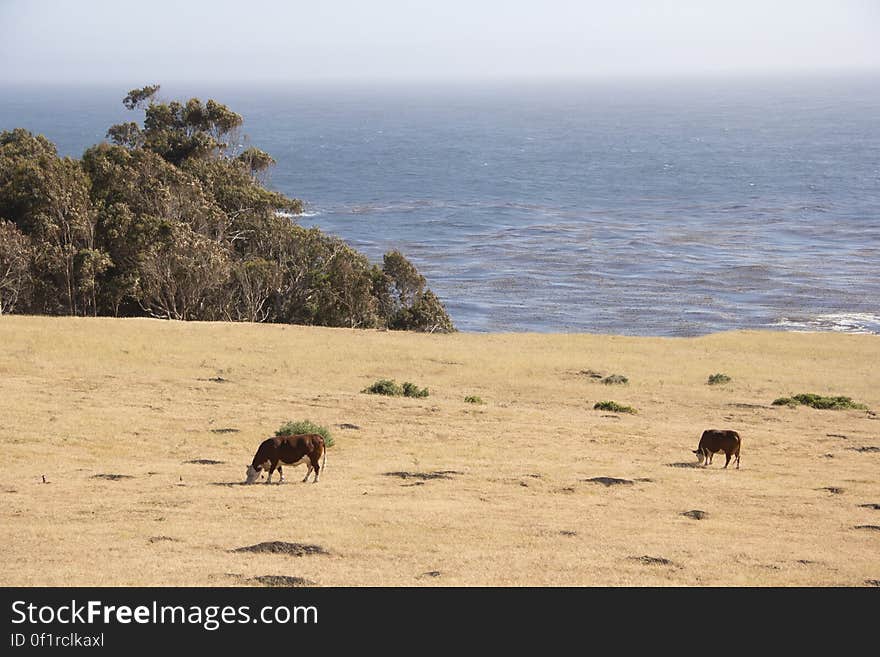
x=141, y=398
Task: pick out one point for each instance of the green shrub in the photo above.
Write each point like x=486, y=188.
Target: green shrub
x=473, y=399
x=384, y=387
x=818, y=401
x=412, y=390
x=305, y=426
x=717, y=379
x=614, y=407
x=390, y=388
x=615, y=379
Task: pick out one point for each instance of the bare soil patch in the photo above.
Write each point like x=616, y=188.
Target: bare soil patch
x=281, y=547
x=281, y=580
x=424, y=476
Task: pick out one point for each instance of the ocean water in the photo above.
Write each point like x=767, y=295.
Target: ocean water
x=643, y=208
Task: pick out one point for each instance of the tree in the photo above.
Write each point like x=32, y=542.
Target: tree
x=137, y=97
x=15, y=260
x=177, y=131
x=406, y=303
x=47, y=198
x=181, y=275
x=167, y=221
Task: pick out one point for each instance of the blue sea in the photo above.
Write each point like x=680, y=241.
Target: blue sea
x=671, y=208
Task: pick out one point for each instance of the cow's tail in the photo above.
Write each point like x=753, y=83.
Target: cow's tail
x=324, y=455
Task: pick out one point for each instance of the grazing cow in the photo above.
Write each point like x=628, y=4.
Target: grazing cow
x=718, y=440
x=288, y=450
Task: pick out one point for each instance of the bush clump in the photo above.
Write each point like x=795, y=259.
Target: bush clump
x=819, y=401
x=615, y=379
x=473, y=399
x=384, y=387
x=412, y=390
x=290, y=428
x=718, y=379
x=614, y=407
x=389, y=388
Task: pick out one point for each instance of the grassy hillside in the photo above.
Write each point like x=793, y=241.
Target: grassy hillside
x=140, y=398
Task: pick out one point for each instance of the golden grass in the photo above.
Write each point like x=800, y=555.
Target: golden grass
x=80, y=397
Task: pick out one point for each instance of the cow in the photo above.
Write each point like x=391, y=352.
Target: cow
x=288, y=450
x=718, y=440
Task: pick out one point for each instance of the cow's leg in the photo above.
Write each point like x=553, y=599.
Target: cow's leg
x=737, y=459
x=308, y=472
x=280, y=474
x=711, y=456
x=706, y=456
x=271, y=470
x=727, y=462
x=317, y=467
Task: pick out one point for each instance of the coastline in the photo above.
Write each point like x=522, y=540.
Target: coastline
x=139, y=397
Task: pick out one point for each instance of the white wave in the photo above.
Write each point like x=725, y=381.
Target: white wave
x=838, y=322
x=294, y=215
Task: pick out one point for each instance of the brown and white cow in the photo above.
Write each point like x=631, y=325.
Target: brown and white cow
x=718, y=440
x=288, y=450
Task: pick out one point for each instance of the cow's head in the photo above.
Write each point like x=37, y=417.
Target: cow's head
x=252, y=474
x=700, y=455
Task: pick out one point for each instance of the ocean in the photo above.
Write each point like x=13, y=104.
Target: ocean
x=669, y=208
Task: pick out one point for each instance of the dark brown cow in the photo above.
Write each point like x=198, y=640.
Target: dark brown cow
x=718, y=440
x=288, y=450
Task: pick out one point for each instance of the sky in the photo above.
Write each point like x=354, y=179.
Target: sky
x=375, y=40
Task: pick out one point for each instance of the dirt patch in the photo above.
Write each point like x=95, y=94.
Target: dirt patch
x=281, y=580
x=653, y=561
x=424, y=476
x=159, y=539
x=347, y=425
x=415, y=483
x=228, y=483
x=430, y=573
x=684, y=464
x=834, y=490
x=205, y=462
x=741, y=405
x=280, y=547
x=225, y=430
x=567, y=532
x=696, y=514
x=216, y=379
x=872, y=582
x=873, y=528
x=112, y=477
x=869, y=449
x=876, y=507
x=610, y=481
x=836, y=435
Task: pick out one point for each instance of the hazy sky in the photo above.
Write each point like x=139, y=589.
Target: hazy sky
x=189, y=40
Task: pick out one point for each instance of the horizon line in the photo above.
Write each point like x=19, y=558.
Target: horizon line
x=677, y=76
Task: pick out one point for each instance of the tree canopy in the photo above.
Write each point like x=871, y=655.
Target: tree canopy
x=170, y=219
